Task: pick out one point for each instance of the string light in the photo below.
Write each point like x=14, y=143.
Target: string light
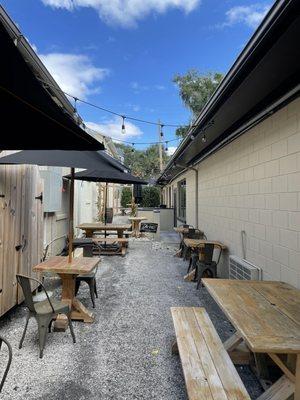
x=76, y=99
x=167, y=146
x=132, y=150
x=161, y=131
x=123, y=125
x=113, y=112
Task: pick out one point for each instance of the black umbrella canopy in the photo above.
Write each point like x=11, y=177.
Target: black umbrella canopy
x=63, y=158
x=112, y=176
x=30, y=118
x=114, y=162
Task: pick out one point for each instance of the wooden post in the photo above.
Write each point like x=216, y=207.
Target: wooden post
x=161, y=167
x=71, y=215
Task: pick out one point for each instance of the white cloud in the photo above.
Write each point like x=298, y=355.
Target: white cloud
x=250, y=15
x=113, y=127
x=75, y=73
x=171, y=150
x=138, y=88
x=125, y=13
x=160, y=87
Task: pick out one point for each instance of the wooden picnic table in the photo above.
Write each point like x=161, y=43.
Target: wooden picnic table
x=136, y=221
x=90, y=228
x=266, y=316
x=181, y=229
x=68, y=273
x=200, y=243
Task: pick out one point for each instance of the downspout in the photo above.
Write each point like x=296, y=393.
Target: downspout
x=196, y=189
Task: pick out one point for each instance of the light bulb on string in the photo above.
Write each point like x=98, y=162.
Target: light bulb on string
x=161, y=131
x=132, y=150
x=204, y=139
x=123, y=130
x=166, y=149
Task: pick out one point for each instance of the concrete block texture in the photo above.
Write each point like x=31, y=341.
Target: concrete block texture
x=253, y=184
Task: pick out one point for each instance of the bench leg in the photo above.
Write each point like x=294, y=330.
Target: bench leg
x=175, y=350
x=232, y=342
x=281, y=390
x=237, y=350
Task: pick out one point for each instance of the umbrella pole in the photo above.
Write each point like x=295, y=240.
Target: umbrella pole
x=105, y=205
x=105, y=214
x=71, y=215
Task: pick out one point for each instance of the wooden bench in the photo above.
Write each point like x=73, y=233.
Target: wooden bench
x=208, y=370
x=78, y=252
x=121, y=250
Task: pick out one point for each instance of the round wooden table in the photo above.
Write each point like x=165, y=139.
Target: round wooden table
x=135, y=221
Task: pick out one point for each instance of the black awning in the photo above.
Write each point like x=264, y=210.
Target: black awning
x=112, y=176
x=30, y=118
x=61, y=158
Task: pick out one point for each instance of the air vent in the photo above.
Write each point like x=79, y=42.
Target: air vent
x=243, y=270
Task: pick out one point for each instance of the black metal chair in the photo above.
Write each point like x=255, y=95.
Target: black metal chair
x=90, y=279
x=44, y=311
x=207, y=267
x=3, y=340
x=191, y=234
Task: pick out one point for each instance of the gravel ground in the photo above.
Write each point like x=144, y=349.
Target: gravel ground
x=126, y=353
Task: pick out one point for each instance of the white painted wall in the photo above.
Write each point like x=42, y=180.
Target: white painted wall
x=253, y=184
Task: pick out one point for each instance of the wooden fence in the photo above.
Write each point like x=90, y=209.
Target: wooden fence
x=21, y=229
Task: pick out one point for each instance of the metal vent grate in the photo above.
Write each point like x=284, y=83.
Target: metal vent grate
x=243, y=270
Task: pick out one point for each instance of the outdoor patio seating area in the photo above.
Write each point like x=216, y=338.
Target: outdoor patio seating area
x=126, y=352
x=150, y=215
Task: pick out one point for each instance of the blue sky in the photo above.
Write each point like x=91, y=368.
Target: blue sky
x=122, y=54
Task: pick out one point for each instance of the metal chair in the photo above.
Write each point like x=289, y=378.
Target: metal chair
x=3, y=340
x=90, y=279
x=207, y=267
x=44, y=312
x=191, y=234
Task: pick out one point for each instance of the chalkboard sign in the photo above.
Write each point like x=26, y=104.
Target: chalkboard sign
x=148, y=227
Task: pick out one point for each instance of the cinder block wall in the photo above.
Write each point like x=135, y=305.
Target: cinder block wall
x=253, y=184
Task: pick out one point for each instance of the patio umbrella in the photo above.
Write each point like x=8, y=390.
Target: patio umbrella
x=116, y=176
x=94, y=175
x=32, y=116
x=71, y=158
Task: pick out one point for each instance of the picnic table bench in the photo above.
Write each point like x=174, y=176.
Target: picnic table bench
x=123, y=242
x=208, y=370
x=90, y=228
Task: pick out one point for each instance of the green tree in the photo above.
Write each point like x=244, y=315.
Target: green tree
x=126, y=196
x=195, y=90
x=143, y=163
x=150, y=196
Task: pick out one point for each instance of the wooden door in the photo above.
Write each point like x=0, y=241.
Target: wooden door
x=31, y=227
x=10, y=236
x=21, y=218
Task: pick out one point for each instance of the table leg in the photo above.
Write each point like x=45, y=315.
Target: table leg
x=89, y=233
x=78, y=310
x=280, y=390
x=135, y=229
